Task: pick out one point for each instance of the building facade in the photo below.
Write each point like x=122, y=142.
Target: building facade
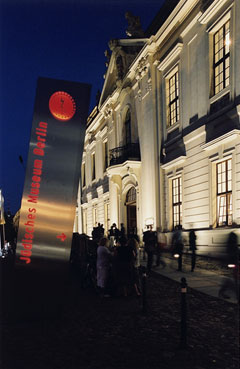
x=163, y=145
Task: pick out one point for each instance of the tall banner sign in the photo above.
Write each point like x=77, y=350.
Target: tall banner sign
x=52, y=175
x=53, y=171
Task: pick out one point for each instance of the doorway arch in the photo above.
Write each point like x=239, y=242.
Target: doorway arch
x=131, y=198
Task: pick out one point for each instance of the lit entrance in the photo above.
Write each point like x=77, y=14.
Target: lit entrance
x=131, y=211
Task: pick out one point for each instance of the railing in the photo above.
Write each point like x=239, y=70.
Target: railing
x=120, y=154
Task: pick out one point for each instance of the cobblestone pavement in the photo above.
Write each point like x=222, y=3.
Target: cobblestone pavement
x=107, y=333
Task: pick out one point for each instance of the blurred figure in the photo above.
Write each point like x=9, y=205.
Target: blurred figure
x=103, y=265
x=159, y=248
x=150, y=243
x=193, y=248
x=98, y=232
x=122, y=231
x=124, y=266
x=134, y=245
x=232, y=260
x=177, y=244
x=114, y=234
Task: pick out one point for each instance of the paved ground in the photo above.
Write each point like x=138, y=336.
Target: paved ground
x=207, y=277
x=93, y=332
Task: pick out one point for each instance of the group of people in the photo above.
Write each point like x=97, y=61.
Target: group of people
x=118, y=267
x=118, y=258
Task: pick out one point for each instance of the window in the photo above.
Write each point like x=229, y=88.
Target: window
x=106, y=215
x=93, y=167
x=224, y=193
x=83, y=175
x=128, y=128
x=177, y=201
x=131, y=196
x=221, y=57
x=84, y=213
x=94, y=216
x=105, y=155
x=172, y=96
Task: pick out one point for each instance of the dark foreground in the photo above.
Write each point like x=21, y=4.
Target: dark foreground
x=96, y=332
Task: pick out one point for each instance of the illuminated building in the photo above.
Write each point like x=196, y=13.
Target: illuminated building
x=163, y=145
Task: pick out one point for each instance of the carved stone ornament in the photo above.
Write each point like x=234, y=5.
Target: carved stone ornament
x=113, y=44
x=142, y=68
x=108, y=56
x=108, y=111
x=149, y=86
x=139, y=96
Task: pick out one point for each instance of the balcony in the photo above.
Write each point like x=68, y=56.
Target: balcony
x=120, y=154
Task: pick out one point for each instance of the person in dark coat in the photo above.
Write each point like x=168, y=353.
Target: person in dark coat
x=124, y=264
x=193, y=248
x=150, y=242
x=232, y=261
x=122, y=231
x=177, y=243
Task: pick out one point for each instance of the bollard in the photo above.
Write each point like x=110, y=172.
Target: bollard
x=144, y=292
x=183, y=341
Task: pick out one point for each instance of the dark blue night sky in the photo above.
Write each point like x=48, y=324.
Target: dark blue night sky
x=57, y=39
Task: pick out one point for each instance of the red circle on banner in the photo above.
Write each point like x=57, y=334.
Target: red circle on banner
x=62, y=106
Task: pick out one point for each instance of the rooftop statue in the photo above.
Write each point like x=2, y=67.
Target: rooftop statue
x=134, y=29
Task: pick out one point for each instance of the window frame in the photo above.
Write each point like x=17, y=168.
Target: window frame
x=178, y=204
x=105, y=156
x=93, y=166
x=127, y=128
x=170, y=102
x=223, y=60
x=212, y=30
x=83, y=173
x=227, y=194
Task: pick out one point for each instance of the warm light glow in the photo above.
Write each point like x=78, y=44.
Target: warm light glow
x=231, y=265
x=176, y=256
x=227, y=40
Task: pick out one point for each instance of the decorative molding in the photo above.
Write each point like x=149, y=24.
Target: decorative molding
x=223, y=18
x=194, y=135
x=175, y=162
x=212, y=11
x=228, y=152
x=89, y=196
x=122, y=169
x=103, y=132
x=227, y=137
x=173, y=54
x=173, y=127
x=100, y=190
x=214, y=157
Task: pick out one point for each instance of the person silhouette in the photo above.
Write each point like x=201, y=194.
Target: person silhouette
x=232, y=261
x=193, y=248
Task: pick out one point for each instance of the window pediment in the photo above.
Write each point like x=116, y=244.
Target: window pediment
x=172, y=55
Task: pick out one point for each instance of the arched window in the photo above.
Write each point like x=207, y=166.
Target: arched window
x=131, y=195
x=128, y=128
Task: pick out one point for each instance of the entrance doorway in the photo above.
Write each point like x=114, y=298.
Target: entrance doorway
x=131, y=211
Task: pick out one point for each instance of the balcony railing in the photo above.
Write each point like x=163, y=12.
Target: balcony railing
x=120, y=154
